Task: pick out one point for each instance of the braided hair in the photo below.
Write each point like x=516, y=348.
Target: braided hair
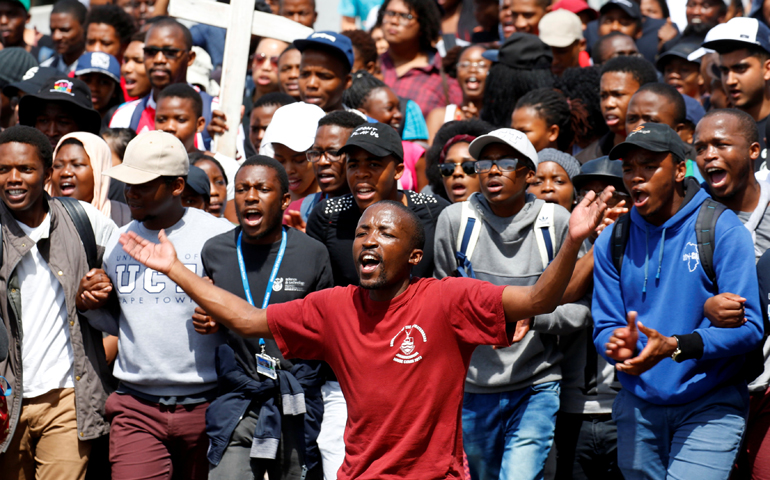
x=553, y=106
x=583, y=84
x=364, y=83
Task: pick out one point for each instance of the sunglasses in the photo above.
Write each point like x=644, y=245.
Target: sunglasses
x=261, y=57
x=504, y=164
x=448, y=169
x=168, y=52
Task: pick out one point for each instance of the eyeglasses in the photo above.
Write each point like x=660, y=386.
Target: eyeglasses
x=448, y=169
x=481, y=64
x=504, y=164
x=314, y=156
x=403, y=18
x=261, y=57
x=168, y=52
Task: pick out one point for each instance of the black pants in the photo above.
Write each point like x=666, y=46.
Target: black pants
x=586, y=447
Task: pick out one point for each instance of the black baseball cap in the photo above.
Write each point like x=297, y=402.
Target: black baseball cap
x=681, y=50
x=602, y=169
x=199, y=181
x=631, y=8
x=72, y=91
x=376, y=138
x=32, y=81
x=654, y=137
x=524, y=51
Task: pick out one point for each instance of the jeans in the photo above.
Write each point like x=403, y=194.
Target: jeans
x=586, y=447
x=697, y=440
x=508, y=435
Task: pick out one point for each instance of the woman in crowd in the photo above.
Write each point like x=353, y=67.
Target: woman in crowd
x=549, y=120
x=583, y=84
x=553, y=179
x=217, y=181
x=137, y=84
x=450, y=168
x=471, y=73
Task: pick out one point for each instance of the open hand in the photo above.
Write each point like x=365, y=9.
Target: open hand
x=658, y=348
x=725, y=310
x=157, y=256
x=293, y=218
x=622, y=343
x=94, y=290
x=611, y=215
x=587, y=215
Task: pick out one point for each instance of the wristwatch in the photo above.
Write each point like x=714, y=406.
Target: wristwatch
x=676, y=356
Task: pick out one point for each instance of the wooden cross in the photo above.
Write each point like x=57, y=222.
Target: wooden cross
x=241, y=21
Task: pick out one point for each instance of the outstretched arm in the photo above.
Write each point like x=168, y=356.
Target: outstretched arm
x=545, y=295
x=229, y=310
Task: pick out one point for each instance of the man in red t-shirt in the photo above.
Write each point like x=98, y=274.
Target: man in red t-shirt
x=400, y=346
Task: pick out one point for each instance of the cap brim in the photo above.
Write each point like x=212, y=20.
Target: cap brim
x=304, y=43
x=699, y=53
x=557, y=40
x=619, y=150
x=130, y=175
x=376, y=150
x=96, y=70
x=478, y=145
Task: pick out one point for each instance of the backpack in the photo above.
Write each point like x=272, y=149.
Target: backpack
x=470, y=227
x=705, y=234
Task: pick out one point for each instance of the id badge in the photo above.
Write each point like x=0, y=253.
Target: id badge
x=266, y=366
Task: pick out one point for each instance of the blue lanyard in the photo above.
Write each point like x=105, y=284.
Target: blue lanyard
x=273, y=274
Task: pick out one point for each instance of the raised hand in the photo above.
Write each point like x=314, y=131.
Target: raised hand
x=659, y=347
x=611, y=215
x=157, y=256
x=94, y=290
x=725, y=310
x=588, y=214
x=293, y=218
x=622, y=343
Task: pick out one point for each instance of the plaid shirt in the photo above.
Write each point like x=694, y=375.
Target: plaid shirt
x=422, y=85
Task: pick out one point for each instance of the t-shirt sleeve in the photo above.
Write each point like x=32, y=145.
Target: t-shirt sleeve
x=475, y=310
x=297, y=326
x=346, y=8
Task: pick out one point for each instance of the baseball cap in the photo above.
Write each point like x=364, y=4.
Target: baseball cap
x=575, y=6
x=62, y=89
x=655, y=137
x=680, y=50
x=98, y=62
x=151, y=155
x=602, y=169
x=294, y=126
x=199, y=181
x=629, y=6
x=328, y=39
x=560, y=28
x=730, y=35
x=695, y=110
x=376, y=138
x=23, y=3
x=522, y=51
x=16, y=62
x=515, y=139
x=32, y=81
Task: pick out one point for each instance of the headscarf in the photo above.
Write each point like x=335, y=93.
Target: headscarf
x=100, y=155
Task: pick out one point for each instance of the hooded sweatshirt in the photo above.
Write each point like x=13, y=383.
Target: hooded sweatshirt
x=507, y=254
x=663, y=281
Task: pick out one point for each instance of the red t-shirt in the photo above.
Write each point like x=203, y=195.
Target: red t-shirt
x=401, y=366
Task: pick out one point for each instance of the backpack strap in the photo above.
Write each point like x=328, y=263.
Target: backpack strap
x=705, y=233
x=544, y=233
x=136, y=115
x=619, y=240
x=83, y=225
x=470, y=227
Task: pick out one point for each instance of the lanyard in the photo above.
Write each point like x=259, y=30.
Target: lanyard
x=273, y=274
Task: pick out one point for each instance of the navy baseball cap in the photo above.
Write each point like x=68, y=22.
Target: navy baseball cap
x=680, y=50
x=695, y=110
x=32, y=81
x=328, y=39
x=199, y=181
x=631, y=8
x=98, y=62
x=654, y=137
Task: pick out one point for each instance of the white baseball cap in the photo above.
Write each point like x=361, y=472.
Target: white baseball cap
x=515, y=139
x=151, y=155
x=738, y=30
x=560, y=28
x=293, y=126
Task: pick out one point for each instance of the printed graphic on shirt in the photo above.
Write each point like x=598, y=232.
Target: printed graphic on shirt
x=691, y=256
x=155, y=287
x=289, y=284
x=407, y=352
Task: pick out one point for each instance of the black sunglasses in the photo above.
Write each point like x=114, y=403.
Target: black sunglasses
x=448, y=169
x=168, y=52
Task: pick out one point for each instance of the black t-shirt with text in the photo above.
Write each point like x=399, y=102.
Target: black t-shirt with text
x=305, y=268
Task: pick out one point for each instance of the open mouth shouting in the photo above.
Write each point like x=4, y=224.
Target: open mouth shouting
x=369, y=261
x=640, y=197
x=67, y=187
x=716, y=177
x=252, y=217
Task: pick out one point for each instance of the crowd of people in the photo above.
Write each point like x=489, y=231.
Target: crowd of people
x=459, y=239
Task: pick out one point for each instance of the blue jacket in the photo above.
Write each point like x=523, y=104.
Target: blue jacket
x=662, y=280
x=237, y=391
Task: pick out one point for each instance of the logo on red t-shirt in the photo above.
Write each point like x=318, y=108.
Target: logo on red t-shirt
x=407, y=352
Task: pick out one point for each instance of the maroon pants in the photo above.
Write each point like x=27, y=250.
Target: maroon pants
x=754, y=460
x=154, y=441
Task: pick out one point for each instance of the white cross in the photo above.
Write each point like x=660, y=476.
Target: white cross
x=241, y=21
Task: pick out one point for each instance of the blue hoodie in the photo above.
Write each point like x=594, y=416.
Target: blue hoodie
x=664, y=283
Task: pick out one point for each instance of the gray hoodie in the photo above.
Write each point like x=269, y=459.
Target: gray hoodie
x=507, y=254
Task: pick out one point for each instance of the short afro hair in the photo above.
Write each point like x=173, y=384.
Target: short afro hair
x=428, y=16
x=363, y=45
x=417, y=236
x=114, y=16
x=643, y=71
x=745, y=122
x=342, y=119
x=199, y=157
x=71, y=7
x=157, y=22
x=274, y=99
x=183, y=90
x=30, y=136
x=670, y=95
x=269, y=162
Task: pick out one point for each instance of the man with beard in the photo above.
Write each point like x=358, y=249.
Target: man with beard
x=277, y=264
x=400, y=345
